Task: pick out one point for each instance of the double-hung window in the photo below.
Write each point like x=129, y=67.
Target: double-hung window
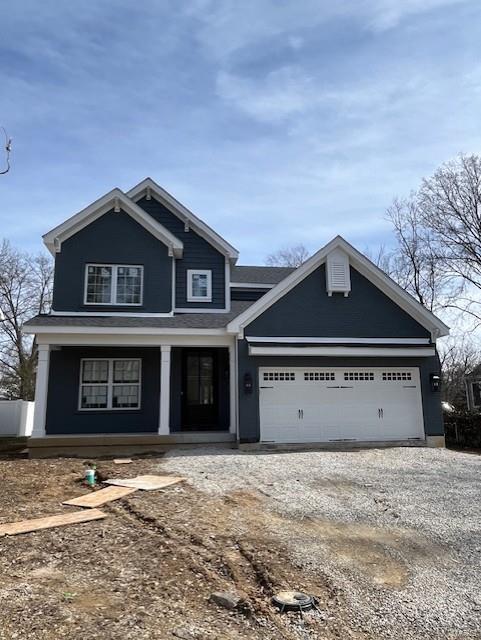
x=199, y=285
x=110, y=383
x=113, y=284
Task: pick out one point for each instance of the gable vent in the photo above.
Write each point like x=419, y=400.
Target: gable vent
x=338, y=277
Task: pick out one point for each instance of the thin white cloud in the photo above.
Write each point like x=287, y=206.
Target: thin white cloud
x=281, y=93
x=227, y=26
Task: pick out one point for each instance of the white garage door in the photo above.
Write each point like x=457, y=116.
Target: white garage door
x=325, y=405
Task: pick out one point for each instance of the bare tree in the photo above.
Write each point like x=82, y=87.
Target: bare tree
x=415, y=262
x=25, y=290
x=459, y=357
x=8, y=149
x=450, y=211
x=288, y=256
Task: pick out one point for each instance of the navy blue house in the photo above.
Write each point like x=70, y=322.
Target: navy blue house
x=156, y=336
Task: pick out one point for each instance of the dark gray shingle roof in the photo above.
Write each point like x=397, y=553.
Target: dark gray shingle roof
x=260, y=275
x=179, y=321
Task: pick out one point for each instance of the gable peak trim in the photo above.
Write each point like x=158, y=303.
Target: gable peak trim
x=362, y=264
x=150, y=189
x=117, y=201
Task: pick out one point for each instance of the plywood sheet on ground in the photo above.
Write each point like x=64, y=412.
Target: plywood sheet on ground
x=122, y=460
x=146, y=483
x=25, y=526
x=98, y=498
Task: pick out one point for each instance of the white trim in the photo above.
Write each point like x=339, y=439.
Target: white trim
x=232, y=388
x=226, y=285
x=110, y=385
x=195, y=310
x=54, y=238
x=289, y=339
x=112, y=314
x=415, y=352
x=41, y=391
x=179, y=210
x=164, y=395
x=113, y=290
x=174, y=292
x=199, y=272
x=127, y=331
x=58, y=340
x=250, y=285
x=361, y=264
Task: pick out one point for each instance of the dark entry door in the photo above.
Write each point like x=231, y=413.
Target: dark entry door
x=199, y=389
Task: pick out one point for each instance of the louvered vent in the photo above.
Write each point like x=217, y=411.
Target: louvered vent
x=338, y=278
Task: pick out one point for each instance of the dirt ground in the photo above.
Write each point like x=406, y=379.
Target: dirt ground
x=149, y=568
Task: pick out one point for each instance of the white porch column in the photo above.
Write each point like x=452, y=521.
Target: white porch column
x=233, y=388
x=164, y=413
x=41, y=389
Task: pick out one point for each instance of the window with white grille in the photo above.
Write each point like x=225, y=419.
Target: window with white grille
x=110, y=383
x=319, y=376
x=392, y=376
x=359, y=376
x=111, y=284
x=279, y=376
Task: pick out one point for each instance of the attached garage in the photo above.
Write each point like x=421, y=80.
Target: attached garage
x=338, y=352
x=368, y=404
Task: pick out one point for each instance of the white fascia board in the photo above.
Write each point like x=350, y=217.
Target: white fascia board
x=179, y=210
x=199, y=310
x=317, y=340
x=251, y=285
x=134, y=340
x=54, y=238
x=361, y=264
x=154, y=331
x=401, y=352
x=112, y=314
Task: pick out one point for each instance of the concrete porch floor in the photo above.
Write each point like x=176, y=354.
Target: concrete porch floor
x=100, y=445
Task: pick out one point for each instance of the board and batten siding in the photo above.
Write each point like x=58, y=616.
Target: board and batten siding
x=114, y=238
x=198, y=254
x=63, y=414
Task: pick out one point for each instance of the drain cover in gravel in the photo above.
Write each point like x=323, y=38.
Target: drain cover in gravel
x=293, y=600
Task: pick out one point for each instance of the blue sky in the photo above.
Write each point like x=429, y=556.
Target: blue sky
x=276, y=121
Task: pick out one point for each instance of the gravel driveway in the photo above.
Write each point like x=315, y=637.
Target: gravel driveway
x=397, y=531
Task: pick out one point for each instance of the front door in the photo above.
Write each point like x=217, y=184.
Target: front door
x=199, y=389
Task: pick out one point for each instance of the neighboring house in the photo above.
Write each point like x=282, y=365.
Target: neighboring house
x=473, y=389
x=156, y=336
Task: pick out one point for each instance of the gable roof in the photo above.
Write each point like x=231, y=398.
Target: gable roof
x=150, y=188
x=117, y=200
x=259, y=275
x=365, y=267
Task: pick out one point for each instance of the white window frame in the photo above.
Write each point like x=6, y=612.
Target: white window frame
x=113, y=291
x=200, y=272
x=109, y=384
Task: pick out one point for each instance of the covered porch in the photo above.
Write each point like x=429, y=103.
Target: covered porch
x=109, y=394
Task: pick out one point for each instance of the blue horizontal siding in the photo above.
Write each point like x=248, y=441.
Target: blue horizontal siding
x=63, y=416
x=307, y=310
x=198, y=254
x=118, y=239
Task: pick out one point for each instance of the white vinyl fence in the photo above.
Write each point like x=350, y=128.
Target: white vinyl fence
x=16, y=418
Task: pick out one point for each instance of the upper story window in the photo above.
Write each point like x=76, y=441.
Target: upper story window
x=113, y=284
x=199, y=285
